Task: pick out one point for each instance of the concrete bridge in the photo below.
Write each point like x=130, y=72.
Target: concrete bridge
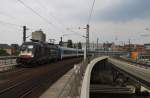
x=113, y=71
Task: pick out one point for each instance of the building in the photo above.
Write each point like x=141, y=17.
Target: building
x=7, y=48
x=109, y=46
x=147, y=49
x=64, y=44
x=140, y=49
x=15, y=48
x=147, y=46
x=146, y=54
x=118, y=48
x=134, y=47
x=129, y=47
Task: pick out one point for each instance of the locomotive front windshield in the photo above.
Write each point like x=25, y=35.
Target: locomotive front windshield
x=27, y=48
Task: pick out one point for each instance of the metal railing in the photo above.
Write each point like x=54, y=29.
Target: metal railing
x=72, y=88
x=7, y=62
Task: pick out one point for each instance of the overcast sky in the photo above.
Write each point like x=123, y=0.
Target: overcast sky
x=112, y=20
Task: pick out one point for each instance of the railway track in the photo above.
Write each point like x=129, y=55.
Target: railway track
x=34, y=81
x=140, y=64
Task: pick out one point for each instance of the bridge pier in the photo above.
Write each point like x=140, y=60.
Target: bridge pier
x=118, y=76
x=137, y=88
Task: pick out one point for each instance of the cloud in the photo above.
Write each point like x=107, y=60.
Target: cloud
x=124, y=10
x=124, y=16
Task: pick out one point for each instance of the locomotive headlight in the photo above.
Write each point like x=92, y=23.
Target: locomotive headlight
x=32, y=55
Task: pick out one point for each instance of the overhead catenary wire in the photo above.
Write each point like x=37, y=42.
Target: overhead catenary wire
x=6, y=15
x=35, y=12
x=91, y=11
x=43, y=18
x=56, y=19
x=15, y=25
x=49, y=13
x=12, y=24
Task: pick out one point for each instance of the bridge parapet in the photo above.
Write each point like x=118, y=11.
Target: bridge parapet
x=72, y=86
x=72, y=89
x=86, y=80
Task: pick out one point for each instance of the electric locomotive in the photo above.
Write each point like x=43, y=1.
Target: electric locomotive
x=37, y=53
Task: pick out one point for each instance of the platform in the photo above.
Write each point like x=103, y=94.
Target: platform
x=57, y=87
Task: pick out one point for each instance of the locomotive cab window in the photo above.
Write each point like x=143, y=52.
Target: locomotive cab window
x=27, y=48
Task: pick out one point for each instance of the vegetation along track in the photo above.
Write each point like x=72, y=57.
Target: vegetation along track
x=32, y=82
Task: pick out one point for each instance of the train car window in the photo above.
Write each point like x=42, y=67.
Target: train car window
x=68, y=52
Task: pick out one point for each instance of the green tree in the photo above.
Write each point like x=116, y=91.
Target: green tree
x=16, y=53
x=74, y=46
x=79, y=45
x=130, y=49
x=3, y=53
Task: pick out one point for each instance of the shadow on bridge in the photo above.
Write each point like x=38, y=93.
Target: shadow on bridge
x=106, y=82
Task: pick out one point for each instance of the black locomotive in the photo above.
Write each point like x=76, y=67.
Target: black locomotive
x=42, y=52
x=37, y=52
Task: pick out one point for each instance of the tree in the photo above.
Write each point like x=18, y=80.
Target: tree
x=79, y=45
x=69, y=44
x=74, y=46
x=15, y=49
x=16, y=53
x=3, y=53
x=130, y=49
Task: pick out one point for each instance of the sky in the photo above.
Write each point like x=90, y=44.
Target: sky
x=112, y=20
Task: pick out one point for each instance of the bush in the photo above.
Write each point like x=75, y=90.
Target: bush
x=3, y=53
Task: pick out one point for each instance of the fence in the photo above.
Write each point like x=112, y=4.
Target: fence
x=72, y=88
x=6, y=62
